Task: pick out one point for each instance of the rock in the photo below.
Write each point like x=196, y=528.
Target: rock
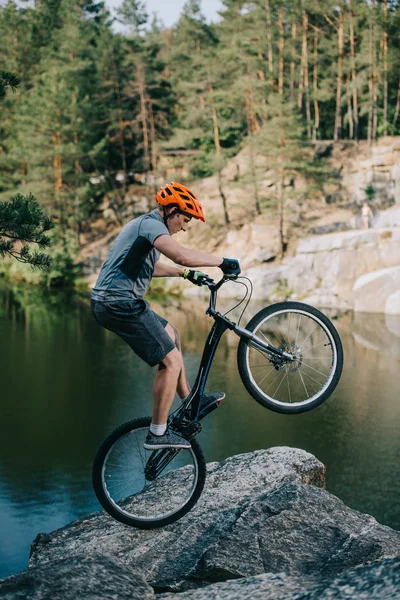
x=83, y=577
x=330, y=228
x=256, y=516
x=268, y=282
x=265, y=255
x=262, y=587
x=372, y=292
x=326, y=267
x=388, y=218
x=174, y=557
x=378, y=581
x=279, y=532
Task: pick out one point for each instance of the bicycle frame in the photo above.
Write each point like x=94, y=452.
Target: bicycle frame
x=191, y=406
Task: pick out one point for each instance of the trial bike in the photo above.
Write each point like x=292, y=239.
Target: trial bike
x=289, y=358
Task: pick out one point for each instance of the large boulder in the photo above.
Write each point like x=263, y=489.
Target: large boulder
x=379, y=580
x=377, y=292
x=171, y=557
x=256, y=516
x=87, y=577
x=326, y=267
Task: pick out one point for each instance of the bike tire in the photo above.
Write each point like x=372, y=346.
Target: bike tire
x=321, y=321
x=119, y=513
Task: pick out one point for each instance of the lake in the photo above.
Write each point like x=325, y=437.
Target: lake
x=66, y=383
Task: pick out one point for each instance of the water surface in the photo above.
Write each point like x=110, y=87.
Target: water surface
x=66, y=383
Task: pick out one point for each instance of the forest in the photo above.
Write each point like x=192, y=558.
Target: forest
x=95, y=108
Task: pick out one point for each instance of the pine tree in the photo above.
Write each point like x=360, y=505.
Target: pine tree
x=22, y=221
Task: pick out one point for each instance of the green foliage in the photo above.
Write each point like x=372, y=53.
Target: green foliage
x=370, y=192
x=22, y=222
x=7, y=79
x=95, y=105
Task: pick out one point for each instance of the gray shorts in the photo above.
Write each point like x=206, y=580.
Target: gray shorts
x=139, y=326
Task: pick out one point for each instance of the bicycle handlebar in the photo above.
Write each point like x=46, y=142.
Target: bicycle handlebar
x=212, y=286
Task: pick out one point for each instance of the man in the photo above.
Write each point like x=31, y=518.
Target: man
x=366, y=215
x=118, y=304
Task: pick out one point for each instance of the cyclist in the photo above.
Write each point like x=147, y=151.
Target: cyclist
x=118, y=304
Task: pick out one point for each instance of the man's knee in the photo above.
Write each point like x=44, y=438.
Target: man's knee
x=173, y=361
x=174, y=335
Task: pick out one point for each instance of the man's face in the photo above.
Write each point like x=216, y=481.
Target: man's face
x=177, y=223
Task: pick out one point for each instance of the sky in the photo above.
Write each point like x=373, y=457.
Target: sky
x=169, y=10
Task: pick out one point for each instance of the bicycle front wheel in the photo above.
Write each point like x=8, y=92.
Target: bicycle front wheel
x=287, y=386
x=146, y=488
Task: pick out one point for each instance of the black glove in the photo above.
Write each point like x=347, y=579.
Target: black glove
x=230, y=267
x=196, y=277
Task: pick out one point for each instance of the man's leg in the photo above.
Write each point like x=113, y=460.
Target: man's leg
x=182, y=387
x=164, y=392
x=164, y=387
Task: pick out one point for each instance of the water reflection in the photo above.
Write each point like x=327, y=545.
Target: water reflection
x=66, y=382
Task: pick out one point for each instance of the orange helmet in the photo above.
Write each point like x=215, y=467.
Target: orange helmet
x=176, y=193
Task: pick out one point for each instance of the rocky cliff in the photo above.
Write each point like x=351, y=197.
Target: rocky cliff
x=264, y=527
x=342, y=267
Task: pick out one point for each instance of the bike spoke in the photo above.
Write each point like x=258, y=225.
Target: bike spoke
x=302, y=334
x=127, y=467
x=316, y=370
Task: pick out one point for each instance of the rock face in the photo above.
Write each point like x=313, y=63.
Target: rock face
x=84, y=577
x=377, y=581
x=174, y=557
x=378, y=291
x=326, y=268
x=264, y=513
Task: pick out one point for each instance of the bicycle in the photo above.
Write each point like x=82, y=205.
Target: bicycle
x=290, y=359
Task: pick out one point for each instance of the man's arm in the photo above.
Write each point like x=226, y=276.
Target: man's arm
x=186, y=257
x=163, y=270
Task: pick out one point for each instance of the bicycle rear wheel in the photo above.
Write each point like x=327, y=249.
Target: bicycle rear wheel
x=291, y=386
x=146, y=488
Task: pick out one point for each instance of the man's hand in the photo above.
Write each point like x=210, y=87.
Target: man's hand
x=230, y=267
x=196, y=277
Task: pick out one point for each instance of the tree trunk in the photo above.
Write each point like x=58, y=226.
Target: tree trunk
x=349, y=109
x=338, y=117
x=214, y=117
x=353, y=73
x=305, y=68
x=281, y=48
x=269, y=41
x=251, y=130
x=315, y=86
x=375, y=84
x=143, y=114
x=370, y=87
x=396, y=112
x=120, y=118
x=223, y=197
x=152, y=138
x=217, y=145
x=385, y=67
x=293, y=61
x=302, y=62
x=281, y=201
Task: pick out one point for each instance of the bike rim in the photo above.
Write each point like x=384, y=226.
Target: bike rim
x=301, y=382
x=126, y=482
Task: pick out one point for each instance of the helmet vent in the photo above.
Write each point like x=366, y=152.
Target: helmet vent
x=192, y=195
x=162, y=195
x=185, y=197
x=178, y=190
x=169, y=192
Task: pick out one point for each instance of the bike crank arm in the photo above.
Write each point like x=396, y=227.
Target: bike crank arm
x=260, y=344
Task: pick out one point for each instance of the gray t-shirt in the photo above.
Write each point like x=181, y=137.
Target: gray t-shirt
x=129, y=266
